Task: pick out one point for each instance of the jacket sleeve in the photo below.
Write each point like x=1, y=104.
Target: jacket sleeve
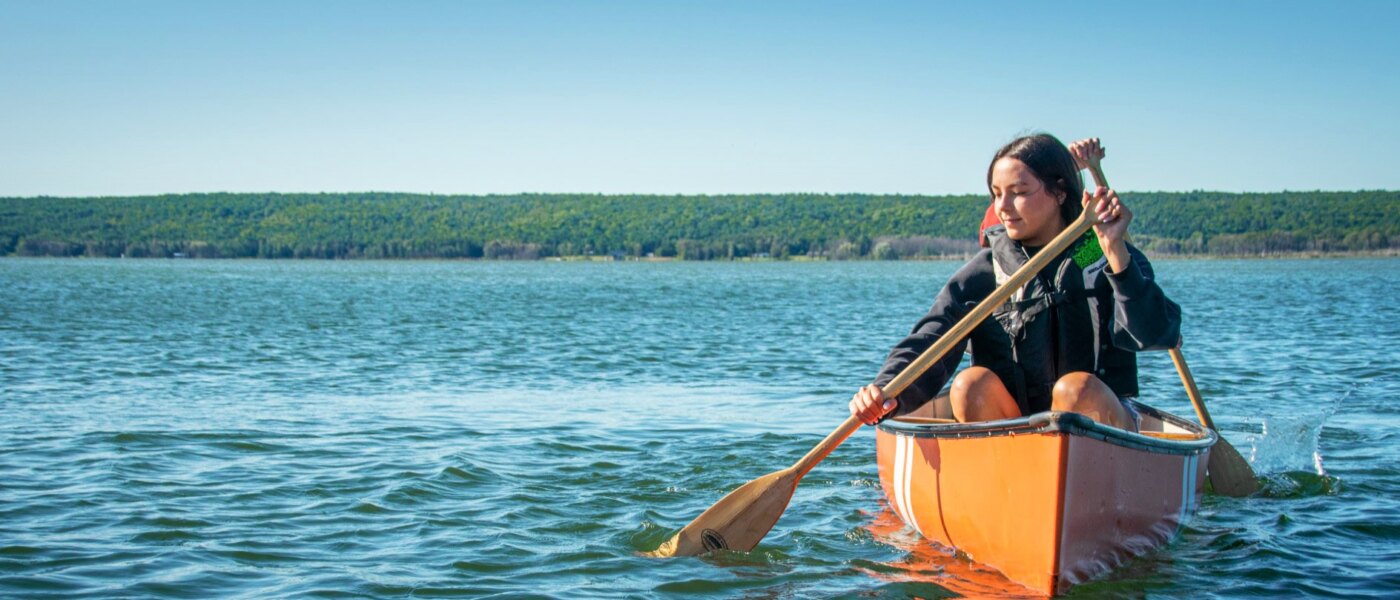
x=1143, y=317
x=948, y=308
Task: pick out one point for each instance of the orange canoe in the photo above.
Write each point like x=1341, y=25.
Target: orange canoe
x=1049, y=500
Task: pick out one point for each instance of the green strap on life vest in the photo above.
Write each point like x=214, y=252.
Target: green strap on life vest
x=1088, y=250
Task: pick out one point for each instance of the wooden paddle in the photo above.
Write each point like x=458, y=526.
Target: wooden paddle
x=739, y=520
x=1229, y=472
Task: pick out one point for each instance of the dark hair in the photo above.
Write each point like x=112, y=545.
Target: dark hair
x=1052, y=164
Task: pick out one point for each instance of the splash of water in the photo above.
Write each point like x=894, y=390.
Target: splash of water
x=1288, y=450
x=1292, y=442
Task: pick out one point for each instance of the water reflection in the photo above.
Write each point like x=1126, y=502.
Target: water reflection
x=928, y=563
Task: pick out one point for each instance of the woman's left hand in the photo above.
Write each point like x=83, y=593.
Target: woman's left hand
x=1112, y=229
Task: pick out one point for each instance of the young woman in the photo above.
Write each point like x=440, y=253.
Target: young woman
x=1065, y=341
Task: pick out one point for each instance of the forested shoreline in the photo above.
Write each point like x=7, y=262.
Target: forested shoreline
x=724, y=227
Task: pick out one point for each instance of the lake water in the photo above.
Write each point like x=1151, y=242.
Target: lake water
x=183, y=429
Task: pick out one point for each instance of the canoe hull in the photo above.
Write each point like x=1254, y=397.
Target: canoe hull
x=1051, y=500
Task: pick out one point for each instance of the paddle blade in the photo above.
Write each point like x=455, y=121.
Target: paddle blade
x=1229, y=472
x=738, y=521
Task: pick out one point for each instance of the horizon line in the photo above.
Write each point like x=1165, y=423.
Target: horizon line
x=659, y=194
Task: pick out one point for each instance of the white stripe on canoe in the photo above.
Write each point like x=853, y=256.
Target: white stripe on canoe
x=910, y=447
x=1188, y=487
x=1191, y=487
x=1181, y=512
x=899, y=477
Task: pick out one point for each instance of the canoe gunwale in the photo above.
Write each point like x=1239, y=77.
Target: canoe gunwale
x=1069, y=423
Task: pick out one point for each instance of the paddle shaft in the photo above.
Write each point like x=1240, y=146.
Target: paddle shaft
x=1097, y=171
x=822, y=449
x=1191, y=390
x=954, y=336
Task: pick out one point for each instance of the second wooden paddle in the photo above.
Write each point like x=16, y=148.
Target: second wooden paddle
x=1229, y=473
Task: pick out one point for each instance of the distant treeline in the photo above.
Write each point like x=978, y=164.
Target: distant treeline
x=532, y=226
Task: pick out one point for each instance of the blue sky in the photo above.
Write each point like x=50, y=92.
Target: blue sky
x=117, y=98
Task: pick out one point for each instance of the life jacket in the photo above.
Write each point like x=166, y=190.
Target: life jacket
x=1056, y=324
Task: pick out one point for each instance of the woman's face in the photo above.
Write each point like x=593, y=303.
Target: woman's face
x=1030, y=213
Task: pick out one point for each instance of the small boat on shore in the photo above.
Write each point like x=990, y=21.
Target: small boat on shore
x=1050, y=500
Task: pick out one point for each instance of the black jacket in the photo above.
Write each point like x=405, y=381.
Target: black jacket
x=1074, y=316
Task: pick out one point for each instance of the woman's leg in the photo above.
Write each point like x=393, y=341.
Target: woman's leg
x=977, y=394
x=1089, y=396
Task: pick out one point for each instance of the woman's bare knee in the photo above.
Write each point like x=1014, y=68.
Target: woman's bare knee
x=1088, y=395
x=968, y=380
x=1074, y=386
x=977, y=394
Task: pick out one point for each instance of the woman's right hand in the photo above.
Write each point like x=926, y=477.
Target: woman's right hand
x=869, y=404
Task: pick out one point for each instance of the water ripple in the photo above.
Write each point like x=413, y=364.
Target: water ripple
x=298, y=429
